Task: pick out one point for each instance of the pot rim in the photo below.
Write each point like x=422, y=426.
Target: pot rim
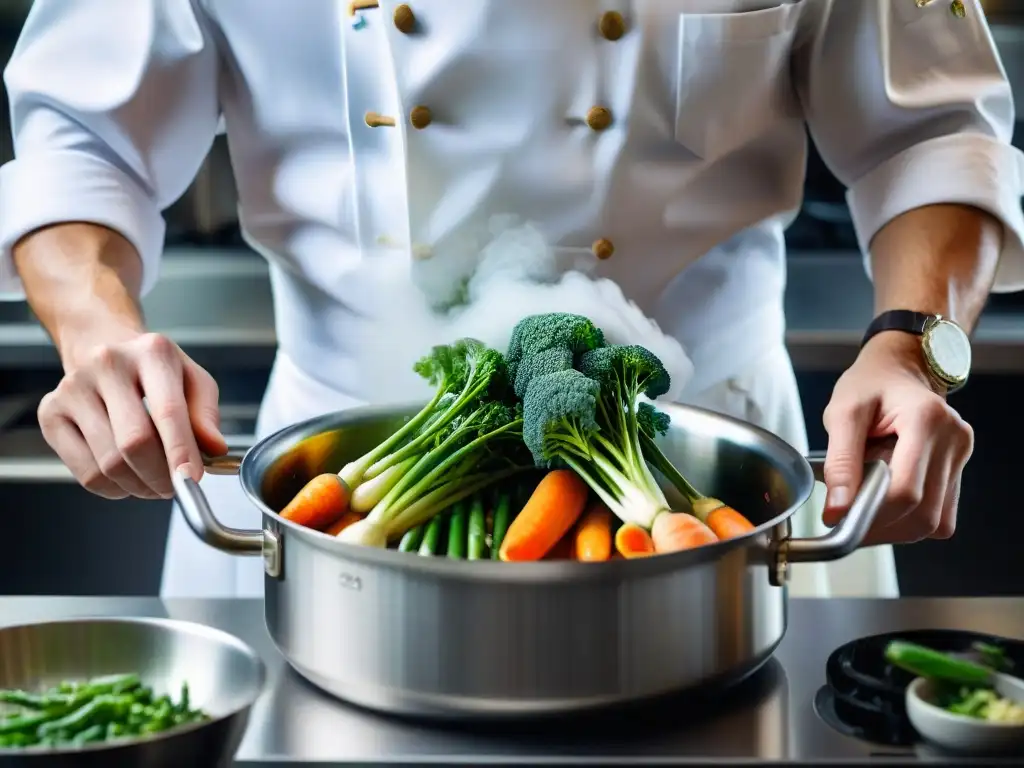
x=282, y=441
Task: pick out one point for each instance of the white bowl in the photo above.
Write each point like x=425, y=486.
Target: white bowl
x=960, y=733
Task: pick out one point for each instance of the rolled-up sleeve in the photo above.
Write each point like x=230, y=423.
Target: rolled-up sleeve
x=909, y=107
x=113, y=108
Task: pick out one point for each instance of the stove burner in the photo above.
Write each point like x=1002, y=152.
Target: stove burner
x=863, y=696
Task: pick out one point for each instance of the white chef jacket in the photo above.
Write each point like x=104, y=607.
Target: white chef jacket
x=669, y=157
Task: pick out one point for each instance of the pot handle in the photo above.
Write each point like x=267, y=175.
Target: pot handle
x=849, y=534
x=200, y=518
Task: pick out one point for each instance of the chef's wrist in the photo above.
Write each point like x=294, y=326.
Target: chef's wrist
x=900, y=350
x=79, y=343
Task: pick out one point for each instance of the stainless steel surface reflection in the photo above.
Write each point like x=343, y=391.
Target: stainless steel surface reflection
x=769, y=717
x=749, y=719
x=224, y=676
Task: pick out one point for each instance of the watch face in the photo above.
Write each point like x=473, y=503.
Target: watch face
x=950, y=350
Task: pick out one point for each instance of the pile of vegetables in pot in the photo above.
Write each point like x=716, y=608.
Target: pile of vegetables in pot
x=542, y=452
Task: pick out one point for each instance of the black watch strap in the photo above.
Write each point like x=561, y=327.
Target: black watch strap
x=904, y=320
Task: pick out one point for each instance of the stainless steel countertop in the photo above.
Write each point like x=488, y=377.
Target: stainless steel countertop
x=769, y=718
x=217, y=306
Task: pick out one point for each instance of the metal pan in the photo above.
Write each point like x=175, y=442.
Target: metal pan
x=433, y=637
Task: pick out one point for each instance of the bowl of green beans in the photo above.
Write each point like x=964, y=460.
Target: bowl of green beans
x=113, y=692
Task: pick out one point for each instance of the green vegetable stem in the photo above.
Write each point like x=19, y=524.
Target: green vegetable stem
x=925, y=662
x=502, y=518
x=457, y=528
x=477, y=537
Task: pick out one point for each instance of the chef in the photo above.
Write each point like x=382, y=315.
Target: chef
x=660, y=143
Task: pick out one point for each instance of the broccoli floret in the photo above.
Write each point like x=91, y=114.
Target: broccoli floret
x=631, y=369
x=548, y=361
x=651, y=421
x=559, y=412
x=466, y=374
x=566, y=422
x=537, y=333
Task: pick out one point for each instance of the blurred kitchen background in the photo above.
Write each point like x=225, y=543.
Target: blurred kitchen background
x=214, y=300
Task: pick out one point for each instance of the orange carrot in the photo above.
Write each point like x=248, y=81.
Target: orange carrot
x=676, y=531
x=342, y=523
x=322, y=501
x=594, y=534
x=563, y=550
x=555, y=504
x=725, y=521
x=633, y=541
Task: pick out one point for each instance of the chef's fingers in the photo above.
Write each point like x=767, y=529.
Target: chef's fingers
x=133, y=430
x=67, y=442
x=848, y=425
x=960, y=446
x=950, y=506
x=162, y=380
x=203, y=398
x=912, y=466
x=82, y=406
x=925, y=517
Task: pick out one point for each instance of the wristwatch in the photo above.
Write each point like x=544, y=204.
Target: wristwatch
x=945, y=345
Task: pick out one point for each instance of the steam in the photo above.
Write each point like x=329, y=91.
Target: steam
x=516, y=276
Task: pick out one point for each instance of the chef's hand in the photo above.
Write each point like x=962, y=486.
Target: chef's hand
x=97, y=422
x=887, y=393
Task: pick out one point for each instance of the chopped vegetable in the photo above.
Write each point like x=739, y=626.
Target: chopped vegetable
x=549, y=513
x=632, y=541
x=477, y=537
x=925, y=662
x=323, y=500
x=73, y=714
x=593, y=535
x=723, y=520
x=678, y=531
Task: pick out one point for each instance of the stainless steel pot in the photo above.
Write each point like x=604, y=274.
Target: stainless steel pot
x=429, y=636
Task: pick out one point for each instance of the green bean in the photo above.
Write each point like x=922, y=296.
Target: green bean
x=432, y=538
x=502, y=518
x=183, y=705
x=23, y=699
x=113, y=684
x=457, y=531
x=25, y=723
x=477, y=529
x=100, y=709
x=411, y=540
x=89, y=735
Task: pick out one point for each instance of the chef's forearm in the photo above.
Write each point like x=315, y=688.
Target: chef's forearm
x=83, y=282
x=938, y=259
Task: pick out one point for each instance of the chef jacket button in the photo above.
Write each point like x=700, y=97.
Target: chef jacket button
x=602, y=249
x=405, y=19
x=420, y=117
x=376, y=120
x=612, y=26
x=361, y=5
x=599, y=118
